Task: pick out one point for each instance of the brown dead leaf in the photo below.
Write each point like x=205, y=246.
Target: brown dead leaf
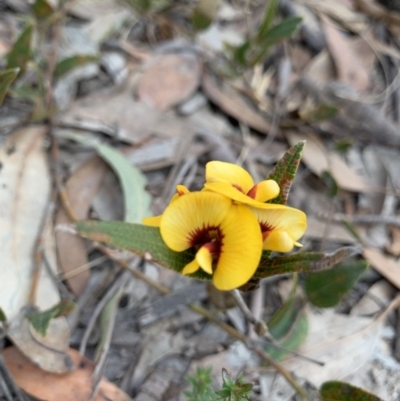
x=349, y=68
x=318, y=159
x=25, y=192
x=231, y=102
x=385, y=265
x=81, y=189
x=73, y=386
x=169, y=80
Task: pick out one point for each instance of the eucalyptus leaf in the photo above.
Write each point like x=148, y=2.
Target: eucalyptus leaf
x=325, y=289
x=20, y=53
x=68, y=64
x=339, y=391
x=6, y=79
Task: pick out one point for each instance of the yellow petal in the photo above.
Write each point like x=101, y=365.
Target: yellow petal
x=241, y=249
x=191, y=267
x=182, y=190
x=190, y=213
x=278, y=241
x=204, y=258
x=229, y=173
x=264, y=191
x=226, y=189
x=152, y=221
x=282, y=219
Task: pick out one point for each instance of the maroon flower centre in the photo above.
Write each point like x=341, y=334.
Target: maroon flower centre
x=266, y=229
x=211, y=237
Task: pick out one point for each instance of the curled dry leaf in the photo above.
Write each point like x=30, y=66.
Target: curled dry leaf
x=25, y=191
x=169, y=80
x=81, y=188
x=72, y=386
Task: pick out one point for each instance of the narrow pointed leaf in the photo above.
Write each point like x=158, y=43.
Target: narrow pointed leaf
x=285, y=171
x=3, y=317
x=20, y=53
x=339, y=391
x=284, y=30
x=142, y=240
x=6, y=79
x=269, y=16
x=68, y=64
x=305, y=262
x=136, y=198
x=325, y=289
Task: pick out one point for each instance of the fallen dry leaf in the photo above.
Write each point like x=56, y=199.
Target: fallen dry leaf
x=81, y=188
x=231, y=102
x=385, y=265
x=349, y=68
x=318, y=159
x=394, y=247
x=25, y=192
x=169, y=80
x=48, y=353
x=72, y=386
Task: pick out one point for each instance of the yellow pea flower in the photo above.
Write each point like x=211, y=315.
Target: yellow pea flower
x=226, y=236
x=281, y=227
x=154, y=221
x=236, y=183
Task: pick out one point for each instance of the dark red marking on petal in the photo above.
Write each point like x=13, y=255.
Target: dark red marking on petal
x=266, y=229
x=253, y=192
x=238, y=187
x=211, y=237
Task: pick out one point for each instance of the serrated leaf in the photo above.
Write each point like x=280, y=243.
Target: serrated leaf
x=136, y=199
x=68, y=64
x=292, y=340
x=42, y=9
x=20, y=53
x=325, y=289
x=141, y=240
x=340, y=391
x=6, y=79
x=283, y=30
x=305, y=262
x=285, y=171
x=269, y=16
x=41, y=320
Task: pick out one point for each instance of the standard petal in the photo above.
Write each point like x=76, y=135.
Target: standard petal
x=241, y=249
x=229, y=173
x=190, y=213
x=204, y=258
x=264, y=191
x=152, y=221
x=226, y=189
x=283, y=219
x=191, y=267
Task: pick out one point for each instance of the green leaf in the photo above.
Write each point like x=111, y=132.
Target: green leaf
x=204, y=13
x=68, y=64
x=283, y=30
x=142, y=240
x=3, y=317
x=285, y=171
x=20, y=53
x=292, y=340
x=137, y=200
x=339, y=391
x=305, y=262
x=269, y=16
x=325, y=289
x=42, y=9
x=41, y=320
x=6, y=79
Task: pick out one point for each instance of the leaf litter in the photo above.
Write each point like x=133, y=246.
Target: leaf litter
x=156, y=107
